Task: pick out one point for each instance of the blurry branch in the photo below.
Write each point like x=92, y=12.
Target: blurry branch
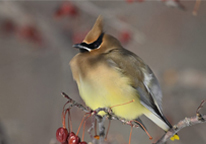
x=3, y=137
x=174, y=3
x=184, y=123
x=13, y=11
x=74, y=103
x=22, y=17
x=199, y=118
x=196, y=7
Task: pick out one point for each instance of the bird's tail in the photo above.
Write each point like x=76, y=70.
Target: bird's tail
x=162, y=122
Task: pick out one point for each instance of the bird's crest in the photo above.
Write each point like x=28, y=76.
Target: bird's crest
x=95, y=32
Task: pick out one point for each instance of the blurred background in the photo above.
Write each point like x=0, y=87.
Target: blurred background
x=36, y=41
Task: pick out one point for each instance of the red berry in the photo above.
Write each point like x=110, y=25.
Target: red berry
x=83, y=142
x=30, y=33
x=8, y=26
x=70, y=9
x=58, y=13
x=71, y=134
x=73, y=139
x=65, y=9
x=61, y=134
x=125, y=36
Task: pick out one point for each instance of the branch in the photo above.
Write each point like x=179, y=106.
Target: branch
x=74, y=103
x=109, y=115
x=184, y=123
x=199, y=118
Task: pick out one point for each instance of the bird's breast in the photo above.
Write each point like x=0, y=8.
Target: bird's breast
x=103, y=86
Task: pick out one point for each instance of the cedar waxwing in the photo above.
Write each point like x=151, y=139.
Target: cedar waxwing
x=107, y=74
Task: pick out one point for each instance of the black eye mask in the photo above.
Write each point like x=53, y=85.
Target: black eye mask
x=95, y=44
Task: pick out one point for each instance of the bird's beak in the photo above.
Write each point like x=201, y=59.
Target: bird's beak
x=80, y=46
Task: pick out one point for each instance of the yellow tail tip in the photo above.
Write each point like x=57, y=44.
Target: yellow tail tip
x=172, y=138
x=175, y=137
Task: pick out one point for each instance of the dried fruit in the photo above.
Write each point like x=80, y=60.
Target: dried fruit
x=73, y=139
x=61, y=134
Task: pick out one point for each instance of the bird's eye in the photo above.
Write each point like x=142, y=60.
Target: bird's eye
x=96, y=45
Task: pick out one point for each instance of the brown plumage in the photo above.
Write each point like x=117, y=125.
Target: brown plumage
x=107, y=75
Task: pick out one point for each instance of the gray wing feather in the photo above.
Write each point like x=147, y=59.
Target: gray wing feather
x=153, y=87
x=147, y=102
x=155, y=103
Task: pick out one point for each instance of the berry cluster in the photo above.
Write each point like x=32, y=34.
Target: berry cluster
x=65, y=137
x=68, y=137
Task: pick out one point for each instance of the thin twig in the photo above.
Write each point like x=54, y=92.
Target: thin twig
x=196, y=7
x=184, y=123
x=74, y=103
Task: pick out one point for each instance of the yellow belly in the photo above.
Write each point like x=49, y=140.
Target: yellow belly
x=106, y=88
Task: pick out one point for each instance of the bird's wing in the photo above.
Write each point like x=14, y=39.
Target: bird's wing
x=152, y=85
x=142, y=79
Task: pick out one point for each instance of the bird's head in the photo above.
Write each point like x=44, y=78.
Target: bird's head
x=97, y=40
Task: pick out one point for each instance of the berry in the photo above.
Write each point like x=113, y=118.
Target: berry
x=8, y=26
x=61, y=134
x=125, y=36
x=71, y=134
x=30, y=33
x=73, y=139
x=65, y=9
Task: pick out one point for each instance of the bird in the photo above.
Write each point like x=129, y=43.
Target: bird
x=107, y=74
